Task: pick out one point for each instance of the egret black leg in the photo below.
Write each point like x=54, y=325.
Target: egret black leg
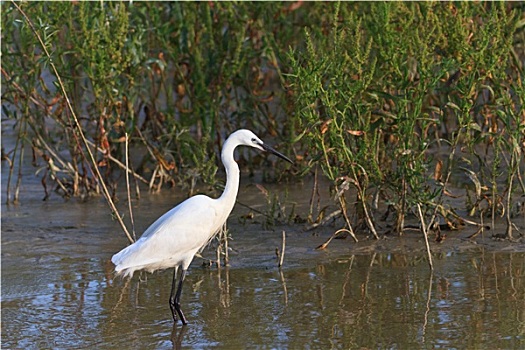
x=172, y=295
x=175, y=297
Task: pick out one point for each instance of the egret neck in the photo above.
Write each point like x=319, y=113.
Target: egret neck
x=232, y=176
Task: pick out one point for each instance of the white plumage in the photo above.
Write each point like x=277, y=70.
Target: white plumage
x=173, y=240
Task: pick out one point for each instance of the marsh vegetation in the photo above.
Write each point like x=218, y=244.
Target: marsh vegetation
x=407, y=109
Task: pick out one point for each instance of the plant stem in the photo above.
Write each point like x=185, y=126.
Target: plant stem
x=424, y=229
x=77, y=125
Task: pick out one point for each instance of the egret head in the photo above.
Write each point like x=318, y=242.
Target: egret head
x=248, y=138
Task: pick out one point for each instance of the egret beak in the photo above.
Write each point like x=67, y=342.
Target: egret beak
x=271, y=150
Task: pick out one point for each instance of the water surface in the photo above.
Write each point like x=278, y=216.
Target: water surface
x=59, y=291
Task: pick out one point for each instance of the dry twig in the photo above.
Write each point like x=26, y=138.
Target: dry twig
x=77, y=125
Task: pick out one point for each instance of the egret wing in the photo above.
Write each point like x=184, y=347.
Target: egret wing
x=173, y=239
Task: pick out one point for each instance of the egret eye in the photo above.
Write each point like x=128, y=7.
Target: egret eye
x=254, y=140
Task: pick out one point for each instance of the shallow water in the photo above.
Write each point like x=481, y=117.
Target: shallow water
x=59, y=292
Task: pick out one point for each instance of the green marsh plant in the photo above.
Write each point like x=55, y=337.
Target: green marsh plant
x=176, y=85
x=397, y=104
x=389, y=89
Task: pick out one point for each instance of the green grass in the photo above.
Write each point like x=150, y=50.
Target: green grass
x=391, y=100
x=387, y=90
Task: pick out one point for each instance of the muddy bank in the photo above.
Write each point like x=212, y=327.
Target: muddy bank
x=87, y=222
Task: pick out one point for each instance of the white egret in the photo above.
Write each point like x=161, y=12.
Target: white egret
x=173, y=240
